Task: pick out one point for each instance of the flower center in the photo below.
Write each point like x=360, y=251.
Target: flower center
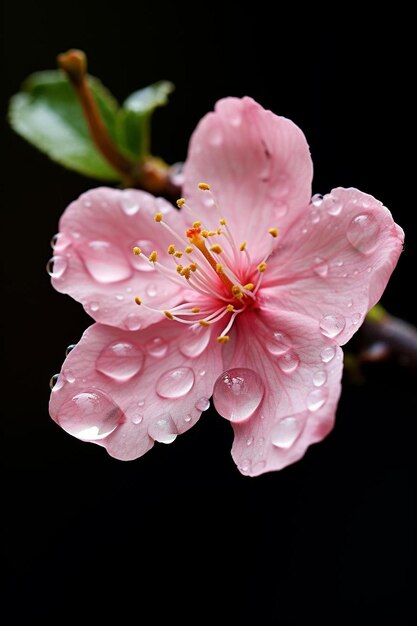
x=222, y=279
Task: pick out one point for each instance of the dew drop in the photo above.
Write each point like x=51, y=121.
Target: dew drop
x=356, y=318
x=70, y=348
x=119, y=297
x=90, y=415
x=315, y=217
x=175, y=383
x=317, y=200
x=94, y=306
x=328, y=353
x=286, y=431
x=137, y=418
x=321, y=268
x=105, y=262
x=319, y=378
x=69, y=376
x=332, y=325
x=249, y=441
x=317, y=398
x=129, y=203
x=56, y=382
x=333, y=206
x=245, y=466
x=163, y=429
x=157, y=347
x=120, y=360
x=202, y=404
x=288, y=362
x=238, y=393
x=194, y=341
x=278, y=343
x=201, y=373
x=56, y=266
x=133, y=322
x=363, y=232
x=151, y=290
x=60, y=242
x=187, y=419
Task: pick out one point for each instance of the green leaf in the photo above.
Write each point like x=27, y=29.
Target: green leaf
x=134, y=118
x=47, y=114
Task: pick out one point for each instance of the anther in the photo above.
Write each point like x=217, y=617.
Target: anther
x=180, y=202
x=223, y=339
x=219, y=268
x=249, y=287
x=158, y=217
x=216, y=248
x=193, y=267
x=242, y=246
x=180, y=268
x=262, y=267
x=171, y=249
x=237, y=292
x=153, y=257
x=195, y=309
x=169, y=315
x=230, y=308
x=205, y=233
x=223, y=222
x=196, y=224
x=137, y=250
x=189, y=249
x=138, y=300
x=178, y=254
x=273, y=232
x=204, y=186
x=203, y=323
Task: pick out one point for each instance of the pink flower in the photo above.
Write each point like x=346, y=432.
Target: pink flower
x=246, y=294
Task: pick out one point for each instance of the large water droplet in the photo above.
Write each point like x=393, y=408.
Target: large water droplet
x=288, y=362
x=56, y=382
x=363, y=232
x=278, y=343
x=317, y=398
x=175, y=383
x=104, y=261
x=157, y=347
x=129, y=203
x=286, y=431
x=133, y=322
x=163, y=429
x=194, y=341
x=332, y=325
x=328, y=353
x=120, y=360
x=317, y=200
x=238, y=393
x=60, y=242
x=138, y=261
x=90, y=415
x=56, y=266
x=202, y=404
x=319, y=378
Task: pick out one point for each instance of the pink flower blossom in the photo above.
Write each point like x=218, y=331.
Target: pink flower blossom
x=246, y=294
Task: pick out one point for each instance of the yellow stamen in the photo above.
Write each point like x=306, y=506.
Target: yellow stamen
x=273, y=232
x=179, y=268
x=219, y=231
x=249, y=286
x=193, y=267
x=230, y=308
x=195, y=309
x=189, y=249
x=223, y=222
x=205, y=233
x=169, y=315
x=242, y=246
x=158, y=217
x=203, y=323
x=137, y=250
x=171, y=248
x=185, y=272
x=196, y=224
x=178, y=254
x=204, y=186
x=262, y=267
x=216, y=248
x=237, y=292
x=212, y=233
x=219, y=268
x=138, y=300
x=153, y=257
x=223, y=339
x=180, y=202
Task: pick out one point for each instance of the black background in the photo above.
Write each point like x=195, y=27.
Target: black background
x=179, y=533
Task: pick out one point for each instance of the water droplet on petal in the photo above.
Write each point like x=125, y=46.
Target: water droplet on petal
x=249, y=441
x=56, y=266
x=245, y=466
x=278, y=343
x=315, y=217
x=328, y=353
x=90, y=415
x=119, y=297
x=187, y=419
x=286, y=431
x=332, y=325
x=333, y=205
x=137, y=418
x=175, y=383
x=139, y=262
x=288, y=362
x=317, y=200
x=129, y=203
x=194, y=341
x=319, y=378
x=94, y=306
x=133, y=322
x=356, y=318
x=120, y=360
x=363, y=232
x=259, y=467
x=238, y=393
x=151, y=290
x=69, y=376
x=70, y=348
x=202, y=404
x=56, y=382
x=105, y=261
x=157, y=347
x=317, y=398
x=163, y=429
x=201, y=372
x=321, y=268
x=60, y=242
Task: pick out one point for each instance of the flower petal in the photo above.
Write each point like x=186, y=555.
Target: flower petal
x=333, y=263
x=94, y=260
x=257, y=164
x=300, y=371
x=124, y=390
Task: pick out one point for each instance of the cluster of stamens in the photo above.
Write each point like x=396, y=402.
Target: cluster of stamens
x=209, y=271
